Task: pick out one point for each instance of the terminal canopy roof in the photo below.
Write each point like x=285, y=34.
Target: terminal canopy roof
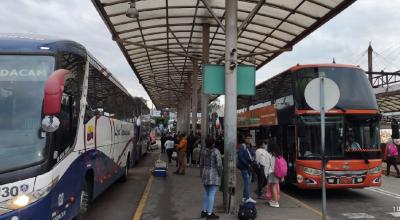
x=162, y=42
x=388, y=98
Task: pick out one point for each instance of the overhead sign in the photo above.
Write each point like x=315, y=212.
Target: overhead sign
x=214, y=79
x=331, y=94
x=264, y=116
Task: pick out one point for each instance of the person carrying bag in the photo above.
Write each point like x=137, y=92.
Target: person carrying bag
x=391, y=155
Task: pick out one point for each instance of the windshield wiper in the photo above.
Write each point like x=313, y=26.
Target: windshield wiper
x=340, y=108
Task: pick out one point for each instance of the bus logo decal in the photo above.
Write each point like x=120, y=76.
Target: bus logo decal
x=24, y=188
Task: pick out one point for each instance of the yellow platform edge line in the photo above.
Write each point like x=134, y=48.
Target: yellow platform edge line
x=142, y=203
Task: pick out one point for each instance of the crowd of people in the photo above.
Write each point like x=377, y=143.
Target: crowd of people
x=254, y=162
x=182, y=148
x=260, y=162
x=186, y=150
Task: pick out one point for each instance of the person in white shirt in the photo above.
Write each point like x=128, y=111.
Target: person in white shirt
x=261, y=163
x=169, y=147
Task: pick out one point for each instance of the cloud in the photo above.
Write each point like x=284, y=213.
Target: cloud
x=346, y=38
x=75, y=20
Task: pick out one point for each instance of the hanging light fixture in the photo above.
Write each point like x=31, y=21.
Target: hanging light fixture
x=132, y=12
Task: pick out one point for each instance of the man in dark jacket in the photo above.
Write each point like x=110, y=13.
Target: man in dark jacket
x=244, y=164
x=190, y=146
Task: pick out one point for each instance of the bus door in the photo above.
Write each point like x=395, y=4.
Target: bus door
x=290, y=152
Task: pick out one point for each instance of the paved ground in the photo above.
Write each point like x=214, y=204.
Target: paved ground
x=120, y=201
x=369, y=203
x=179, y=198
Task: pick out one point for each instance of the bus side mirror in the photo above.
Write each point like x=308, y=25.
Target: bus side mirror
x=53, y=92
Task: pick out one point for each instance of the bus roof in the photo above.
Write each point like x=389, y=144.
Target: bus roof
x=304, y=66
x=11, y=43
x=264, y=93
x=34, y=43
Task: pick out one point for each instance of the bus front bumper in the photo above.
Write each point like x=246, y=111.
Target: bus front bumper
x=339, y=174
x=38, y=210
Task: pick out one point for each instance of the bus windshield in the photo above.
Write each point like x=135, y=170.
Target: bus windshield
x=355, y=89
x=22, y=80
x=346, y=136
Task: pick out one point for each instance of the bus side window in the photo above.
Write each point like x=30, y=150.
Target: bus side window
x=64, y=136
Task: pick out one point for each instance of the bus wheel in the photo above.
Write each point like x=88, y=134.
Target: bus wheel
x=84, y=201
x=125, y=176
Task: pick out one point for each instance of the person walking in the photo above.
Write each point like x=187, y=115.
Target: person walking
x=210, y=172
x=190, y=146
x=273, y=180
x=181, y=148
x=169, y=147
x=391, y=155
x=163, y=140
x=261, y=162
x=245, y=165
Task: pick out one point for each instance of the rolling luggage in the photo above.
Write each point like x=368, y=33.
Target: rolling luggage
x=160, y=168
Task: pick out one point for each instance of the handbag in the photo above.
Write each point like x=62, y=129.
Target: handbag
x=174, y=155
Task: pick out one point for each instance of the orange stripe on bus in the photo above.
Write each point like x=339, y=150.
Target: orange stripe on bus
x=337, y=111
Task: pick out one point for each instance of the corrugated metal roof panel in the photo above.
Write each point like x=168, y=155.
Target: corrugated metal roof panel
x=168, y=34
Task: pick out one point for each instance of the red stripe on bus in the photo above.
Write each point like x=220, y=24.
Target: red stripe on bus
x=95, y=132
x=123, y=151
x=84, y=137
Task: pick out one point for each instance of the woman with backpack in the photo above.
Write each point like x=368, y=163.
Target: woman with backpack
x=275, y=171
x=210, y=172
x=391, y=154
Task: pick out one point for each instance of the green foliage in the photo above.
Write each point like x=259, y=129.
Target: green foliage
x=162, y=120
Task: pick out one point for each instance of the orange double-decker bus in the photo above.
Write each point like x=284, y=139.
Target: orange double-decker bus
x=280, y=113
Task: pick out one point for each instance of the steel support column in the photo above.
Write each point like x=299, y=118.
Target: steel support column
x=186, y=104
x=179, y=113
x=370, y=50
x=230, y=123
x=204, y=97
x=195, y=84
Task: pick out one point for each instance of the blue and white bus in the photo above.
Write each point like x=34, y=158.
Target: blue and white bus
x=67, y=128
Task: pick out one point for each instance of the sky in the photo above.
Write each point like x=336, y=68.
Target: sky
x=345, y=37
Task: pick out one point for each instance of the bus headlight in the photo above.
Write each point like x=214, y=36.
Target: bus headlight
x=26, y=199
x=21, y=201
x=312, y=171
x=374, y=170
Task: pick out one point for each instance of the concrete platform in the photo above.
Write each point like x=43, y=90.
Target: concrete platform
x=179, y=197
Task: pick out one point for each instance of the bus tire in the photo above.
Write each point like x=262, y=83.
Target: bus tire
x=124, y=177
x=85, y=198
